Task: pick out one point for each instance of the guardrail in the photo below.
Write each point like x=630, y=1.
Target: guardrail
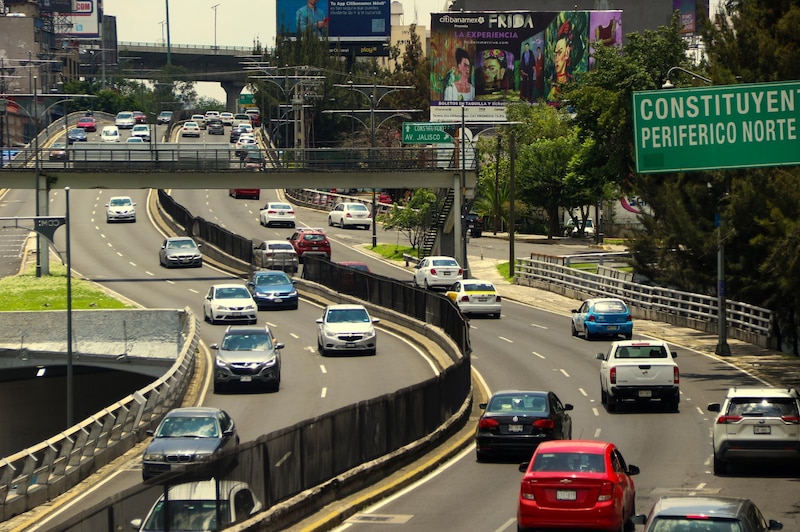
x=324, y=201
x=40, y=473
x=122, y=44
x=744, y=322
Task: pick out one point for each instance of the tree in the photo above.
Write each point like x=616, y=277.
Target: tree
x=413, y=218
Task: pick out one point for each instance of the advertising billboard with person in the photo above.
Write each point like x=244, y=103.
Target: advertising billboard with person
x=482, y=61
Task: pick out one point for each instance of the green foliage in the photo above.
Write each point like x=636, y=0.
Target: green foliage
x=413, y=219
x=392, y=251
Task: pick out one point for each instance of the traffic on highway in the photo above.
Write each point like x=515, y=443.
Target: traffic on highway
x=527, y=349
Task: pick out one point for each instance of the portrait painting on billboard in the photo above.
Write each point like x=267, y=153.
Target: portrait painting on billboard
x=496, y=74
x=567, y=50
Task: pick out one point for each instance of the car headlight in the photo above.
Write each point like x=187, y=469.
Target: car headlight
x=370, y=333
x=202, y=456
x=329, y=333
x=153, y=457
x=293, y=293
x=250, y=307
x=222, y=307
x=270, y=362
x=221, y=363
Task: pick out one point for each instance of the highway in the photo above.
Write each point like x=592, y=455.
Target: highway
x=528, y=348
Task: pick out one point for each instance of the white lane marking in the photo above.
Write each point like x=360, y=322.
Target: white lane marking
x=132, y=263
x=272, y=325
x=151, y=274
x=194, y=291
x=583, y=392
x=324, y=393
x=413, y=346
x=538, y=326
x=564, y=372
x=595, y=411
x=538, y=355
x=170, y=281
x=506, y=525
x=700, y=411
x=293, y=335
x=506, y=339
x=322, y=368
x=102, y=235
x=597, y=433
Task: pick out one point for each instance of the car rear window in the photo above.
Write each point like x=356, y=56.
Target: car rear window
x=563, y=462
x=445, y=262
x=518, y=403
x=610, y=306
x=763, y=407
x=478, y=287
x=281, y=247
x=357, y=207
x=314, y=238
x=704, y=524
x=641, y=351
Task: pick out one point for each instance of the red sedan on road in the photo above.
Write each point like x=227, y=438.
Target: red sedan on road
x=577, y=484
x=88, y=123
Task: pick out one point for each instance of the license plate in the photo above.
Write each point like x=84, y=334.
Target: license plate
x=645, y=393
x=612, y=328
x=566, y=495
x=482, y=299
x=314, y=248
x=445, y=273
x=350, y=344
x=760, y=429
x=246, y=378
x=515, y=428
x=236, y=313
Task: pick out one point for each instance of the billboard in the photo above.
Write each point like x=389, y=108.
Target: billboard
x=708, y=128
x=689, y=10
x=344, y=20
x=84, y=19
x=481, y=61
x=58, y=6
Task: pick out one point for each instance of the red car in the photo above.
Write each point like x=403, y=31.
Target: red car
x=577, y=484
x=310, y=242
x=139, y=117
x=88, y=123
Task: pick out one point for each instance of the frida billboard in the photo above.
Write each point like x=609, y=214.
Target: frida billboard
x=482, y=61
x=356, y=23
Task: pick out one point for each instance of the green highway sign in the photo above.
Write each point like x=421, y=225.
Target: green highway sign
x=709, y=128
x=427, y=133
x=245, y=99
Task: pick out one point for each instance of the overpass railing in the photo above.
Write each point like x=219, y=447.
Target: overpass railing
x=162, y=47
x=697, y=311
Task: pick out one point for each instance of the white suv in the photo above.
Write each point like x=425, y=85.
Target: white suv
x=756, y=424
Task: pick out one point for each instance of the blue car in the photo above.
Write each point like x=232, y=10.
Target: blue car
x=607, y=316
x=272, y=289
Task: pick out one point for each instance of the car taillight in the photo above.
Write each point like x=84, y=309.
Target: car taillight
x=606, y=492
x=724, y=420
x=464, y=299
x=676, y=375
x=612, y=375
x=348, y=215
x=792, y=420
x=488, y=423
x=544, y=424
x=628, y=318
x=497, y=299
x=526, y=491
x=272, y=212
x=433, y=271
x=289, y=212
x=460, y=271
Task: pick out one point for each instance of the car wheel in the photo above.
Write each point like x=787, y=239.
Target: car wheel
x=587, y=335
x=611, y=403
x=574, y=330
x=481, y=457
x=720, y=466
x=427, y=286
x=603, y=396
x=674, y=404
x=330, y=221
x=496, y=315
x=629, y=336
x=217, y=387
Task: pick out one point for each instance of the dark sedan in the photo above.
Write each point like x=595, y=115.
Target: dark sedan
x=188, y=435
x=515, y=422
x=77, y=134
x=215, y=127
x=712, y=514
x=272, y=289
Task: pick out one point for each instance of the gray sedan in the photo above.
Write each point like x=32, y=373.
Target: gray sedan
x=180, y=251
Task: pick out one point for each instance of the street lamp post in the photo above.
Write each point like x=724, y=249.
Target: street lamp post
x=169, y=43
x=214, y=7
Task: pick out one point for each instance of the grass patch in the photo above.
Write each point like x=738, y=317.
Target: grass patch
x=28, y=292
x=504, y=269
x=392, y=251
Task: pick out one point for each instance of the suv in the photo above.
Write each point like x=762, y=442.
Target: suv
x=247, y=355
x=756, y=424
x=474, y=224
x=310, y=242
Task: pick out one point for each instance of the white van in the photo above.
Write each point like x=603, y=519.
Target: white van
x=110, y=134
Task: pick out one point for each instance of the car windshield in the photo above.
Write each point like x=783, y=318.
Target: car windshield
x=569, y=462
x=272, y=280
x=610, y=307
x=188, y=427
x=247, y=342
x=517, y=403
x=232, y=292
x=125, y=115
x=704, y=524
x=181, y=244
x=478, y=287
x=642, y=351
x=354, y=315
x=119, y=202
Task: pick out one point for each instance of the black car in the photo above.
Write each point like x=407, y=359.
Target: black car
x=77, y=134
x=474, y=224
x=235, y=132
x=705, y=514
x=214, y=126
x=515, y=422
x=188, y=435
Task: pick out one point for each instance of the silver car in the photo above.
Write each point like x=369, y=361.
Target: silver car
x=276, y=255
x=180, y=251
x=120, y=209
x=346, y=328
x=188, y=435
x=247, y=356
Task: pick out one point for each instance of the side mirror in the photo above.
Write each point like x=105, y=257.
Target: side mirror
x=523, y=467
x=319, y=320
x=482, y=406
x=632, y=470
x=136, y=524
x=714, y=407
x=574, y=311
x=600, y=356
x=376, y=320
x=674, y=354
x=199, y=245
x=280, y=346
x=214, y=346
x=639, y=519
x=106, y=204
x=568, y=407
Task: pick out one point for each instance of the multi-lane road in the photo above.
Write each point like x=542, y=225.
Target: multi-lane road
x=528, y=348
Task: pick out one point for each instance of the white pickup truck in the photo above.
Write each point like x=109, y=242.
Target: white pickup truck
x=639, y=371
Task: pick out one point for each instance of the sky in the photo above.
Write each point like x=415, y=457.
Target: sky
x=193, y=21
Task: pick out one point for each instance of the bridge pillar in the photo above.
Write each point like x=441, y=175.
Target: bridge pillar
x=232, y=90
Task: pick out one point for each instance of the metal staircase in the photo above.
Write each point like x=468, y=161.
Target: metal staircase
x=445, y=198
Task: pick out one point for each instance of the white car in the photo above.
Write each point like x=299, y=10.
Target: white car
x=211, y=114
x=245, y=143
x=134, y=140
x=437, y=271
x=190, y=129
x=125, y=120
x=346, y=328
x=229, y=302
x=120, y=209
x=109, y=134
x=277, y=213
x=200, y=120
x=227, y=118
x=191, y=506
x=141, y=131
x=474, y=296
x=350, y=215
x=756, y=424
